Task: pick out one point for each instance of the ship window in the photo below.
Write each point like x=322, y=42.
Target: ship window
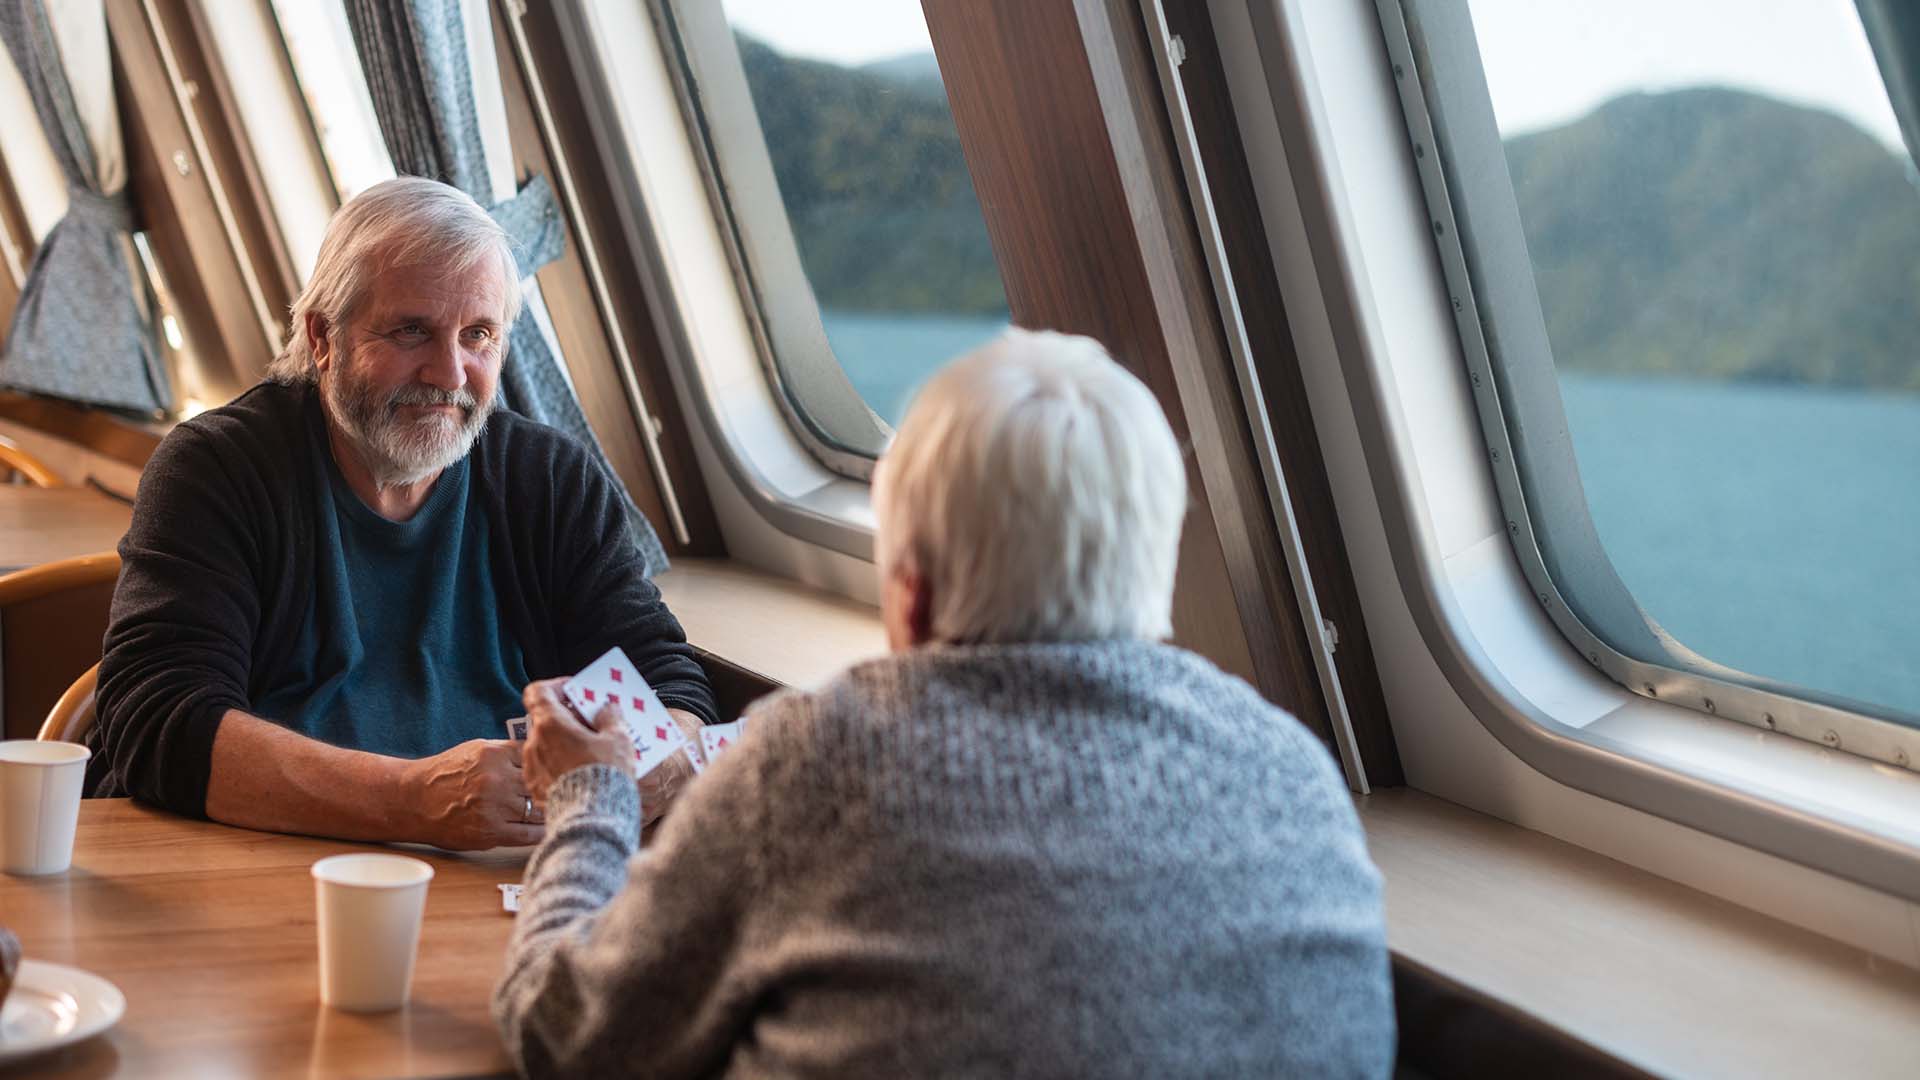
x=1684, y=243
x=857, y=235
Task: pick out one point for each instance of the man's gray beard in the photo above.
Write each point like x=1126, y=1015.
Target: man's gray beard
x=400, y=452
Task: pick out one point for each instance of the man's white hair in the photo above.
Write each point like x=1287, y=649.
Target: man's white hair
x=1037, y=489
x=408, y=220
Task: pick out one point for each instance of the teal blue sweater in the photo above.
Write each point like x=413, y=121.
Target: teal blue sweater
x=228, y=567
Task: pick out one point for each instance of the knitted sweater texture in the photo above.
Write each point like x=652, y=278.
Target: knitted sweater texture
x=1088, y=859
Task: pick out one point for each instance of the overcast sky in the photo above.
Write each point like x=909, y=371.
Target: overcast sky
x=1547, y=61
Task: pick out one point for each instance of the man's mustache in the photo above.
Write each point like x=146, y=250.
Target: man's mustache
x=430, y=396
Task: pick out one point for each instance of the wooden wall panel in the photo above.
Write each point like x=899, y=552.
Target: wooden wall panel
x=1060, y=115
x=16, y=249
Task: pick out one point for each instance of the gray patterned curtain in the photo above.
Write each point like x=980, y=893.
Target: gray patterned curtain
x=414, y=53
x=1893, y=28
x=79, y=332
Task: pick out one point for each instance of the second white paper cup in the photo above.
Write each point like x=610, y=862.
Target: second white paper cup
x=39, y=804
x=369, y=911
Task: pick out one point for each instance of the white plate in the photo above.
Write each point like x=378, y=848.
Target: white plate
x=53, y=1005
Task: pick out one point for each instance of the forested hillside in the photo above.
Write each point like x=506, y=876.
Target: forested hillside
x=870, y=168
x=1709, y=233
x=1716, y=233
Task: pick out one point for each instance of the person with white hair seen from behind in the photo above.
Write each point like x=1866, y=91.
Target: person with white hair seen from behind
x=1032, y=841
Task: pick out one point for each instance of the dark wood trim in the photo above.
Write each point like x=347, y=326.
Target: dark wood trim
x=734, y=687
x=168, y=183
x=1263, y=312
x=1060, y=115
x=100, y=431
x=600, y=216
x=16, y=232
x=1448, y=1029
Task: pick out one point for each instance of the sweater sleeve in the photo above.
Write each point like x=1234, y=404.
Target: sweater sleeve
x=180, y=639
x=607, y=600
x=642, y=981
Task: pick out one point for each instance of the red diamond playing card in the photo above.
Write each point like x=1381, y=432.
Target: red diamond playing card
x=614, y=680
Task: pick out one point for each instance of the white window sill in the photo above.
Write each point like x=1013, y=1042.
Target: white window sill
x=791, y=634
x=1660, y=975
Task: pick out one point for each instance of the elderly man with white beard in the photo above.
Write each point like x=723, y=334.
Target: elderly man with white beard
x=335, y=588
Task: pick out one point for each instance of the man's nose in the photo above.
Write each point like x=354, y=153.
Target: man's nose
x=444, y=369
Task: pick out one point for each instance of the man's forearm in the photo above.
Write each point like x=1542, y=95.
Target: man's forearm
x=267, y=777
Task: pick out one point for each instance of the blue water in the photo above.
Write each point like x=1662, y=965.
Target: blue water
x=889, y=356
x=1774, y=529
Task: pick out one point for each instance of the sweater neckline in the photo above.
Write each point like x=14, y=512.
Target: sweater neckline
x=449, y=486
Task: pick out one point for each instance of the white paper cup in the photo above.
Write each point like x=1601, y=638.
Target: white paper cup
x=369, y=908
x=39, y=804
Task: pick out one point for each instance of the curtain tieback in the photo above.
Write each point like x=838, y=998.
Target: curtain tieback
x=113, y=212
x=532, y=219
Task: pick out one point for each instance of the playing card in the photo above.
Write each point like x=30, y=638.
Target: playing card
x=517, y=728
x=510, y=897
x=717, y=739
x=613, y=680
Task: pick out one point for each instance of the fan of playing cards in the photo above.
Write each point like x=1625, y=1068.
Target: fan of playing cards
x=613, y=680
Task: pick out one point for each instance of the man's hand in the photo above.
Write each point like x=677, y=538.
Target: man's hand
x=470, y=797
x=659, y=787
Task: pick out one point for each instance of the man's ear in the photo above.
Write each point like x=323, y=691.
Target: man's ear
x=318, y=344
x=919, y=610
x=906, y=608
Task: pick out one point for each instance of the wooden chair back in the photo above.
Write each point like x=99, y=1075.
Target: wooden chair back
x=72, y=715
x=53, y=621
x=15, y=461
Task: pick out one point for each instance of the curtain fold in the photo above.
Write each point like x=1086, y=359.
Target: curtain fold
x=83, y=329
x=414, y=53
x=1893, y=29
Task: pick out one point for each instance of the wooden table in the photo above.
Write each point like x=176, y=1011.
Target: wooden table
x=209, y=931
x=39, y=525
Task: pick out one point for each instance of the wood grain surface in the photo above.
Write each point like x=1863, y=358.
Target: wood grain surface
x=41, y=525
x=209, y=931
x=1675, y=981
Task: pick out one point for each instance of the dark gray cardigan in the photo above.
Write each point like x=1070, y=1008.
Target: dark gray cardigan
x=218, y=569
x=1065, y=860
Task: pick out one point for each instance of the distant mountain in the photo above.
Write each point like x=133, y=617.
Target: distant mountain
x=1721, y=234
x=916, y=72
x=870, y=168
x=1709, y=233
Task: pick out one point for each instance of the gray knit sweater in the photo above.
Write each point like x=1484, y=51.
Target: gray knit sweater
x=1104, y=859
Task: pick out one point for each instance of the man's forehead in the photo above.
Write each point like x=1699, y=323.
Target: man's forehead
x=414, y=288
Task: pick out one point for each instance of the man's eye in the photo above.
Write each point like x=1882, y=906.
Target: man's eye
x=479, y=335
x=410, y=332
